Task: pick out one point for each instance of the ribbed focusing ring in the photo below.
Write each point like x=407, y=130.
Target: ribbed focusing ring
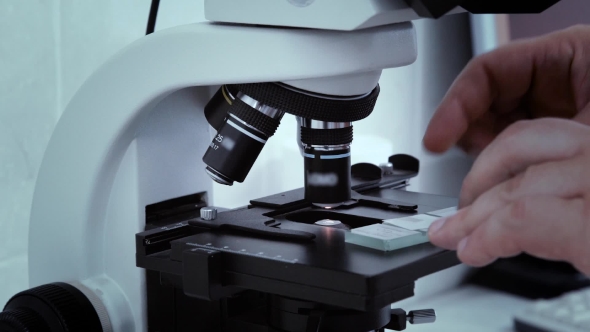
x=326, y=136
x=63, y=301
x=267, y=125
x=309, y=107
x=22, y=320
x=64, y=304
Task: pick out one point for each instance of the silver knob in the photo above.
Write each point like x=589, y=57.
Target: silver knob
x=421, y=316
x=208, y=213
x=387, y=168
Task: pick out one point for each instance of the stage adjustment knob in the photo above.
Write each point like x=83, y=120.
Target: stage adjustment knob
x=422, y=316
x=208, y=213
x=56, y=307
x=387, y=168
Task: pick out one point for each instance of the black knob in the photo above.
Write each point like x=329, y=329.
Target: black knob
x=22, y=320
x=422, y=316
x=56, y=307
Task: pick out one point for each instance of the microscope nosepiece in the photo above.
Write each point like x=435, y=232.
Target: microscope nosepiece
x=247, y=115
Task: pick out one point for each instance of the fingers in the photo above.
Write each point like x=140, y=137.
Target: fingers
x=479, y=134
x=549, y=74
x=584, y=115
x=543, y=226
x=521, y=145
x=563, y=179
x=483, y=131
x=503, y=74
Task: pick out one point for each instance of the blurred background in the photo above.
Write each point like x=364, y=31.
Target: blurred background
x=49, y=47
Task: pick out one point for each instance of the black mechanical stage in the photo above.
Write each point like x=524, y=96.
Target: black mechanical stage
x=268, y=266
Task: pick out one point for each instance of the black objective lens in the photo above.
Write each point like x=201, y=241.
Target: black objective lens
x=326, y=152
x=242, y=131
x=233, y=151
x=327, y=176
x=217, y=109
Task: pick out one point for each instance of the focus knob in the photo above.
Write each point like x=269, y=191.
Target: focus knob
x=56, y=307
x=22, y=320
x=422, y=316
x=208, y=213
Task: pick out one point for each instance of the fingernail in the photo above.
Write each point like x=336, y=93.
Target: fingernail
x=437, y=225
x=462, y=244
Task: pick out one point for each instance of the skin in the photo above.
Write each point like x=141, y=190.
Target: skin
x=524, y=110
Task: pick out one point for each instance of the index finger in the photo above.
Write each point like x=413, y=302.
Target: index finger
x=501, y=76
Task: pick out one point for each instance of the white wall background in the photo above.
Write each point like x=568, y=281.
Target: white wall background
x=48, y=48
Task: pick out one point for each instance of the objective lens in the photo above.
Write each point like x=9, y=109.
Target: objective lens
x=240, y=137
x=327, y=177
x=233, y=151
x=326, y=152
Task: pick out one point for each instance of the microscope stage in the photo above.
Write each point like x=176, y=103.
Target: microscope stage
x=216, y=263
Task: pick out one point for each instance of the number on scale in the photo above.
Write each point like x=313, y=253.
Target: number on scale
x=219, y=138
x=214, y=146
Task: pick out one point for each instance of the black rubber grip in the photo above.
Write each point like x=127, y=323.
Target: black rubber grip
x=326, y=136
x=267, y=125
x=22, y=320
x=67, y=306
x=305, y=106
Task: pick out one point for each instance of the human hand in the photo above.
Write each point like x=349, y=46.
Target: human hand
x=528, y=191
x=546, y=76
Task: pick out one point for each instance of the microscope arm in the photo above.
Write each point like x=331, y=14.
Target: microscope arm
x=80, y=221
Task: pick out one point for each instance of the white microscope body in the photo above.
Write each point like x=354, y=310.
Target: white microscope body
x=135, y=132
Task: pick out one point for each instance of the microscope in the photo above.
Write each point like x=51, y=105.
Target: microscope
x=124, y=235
